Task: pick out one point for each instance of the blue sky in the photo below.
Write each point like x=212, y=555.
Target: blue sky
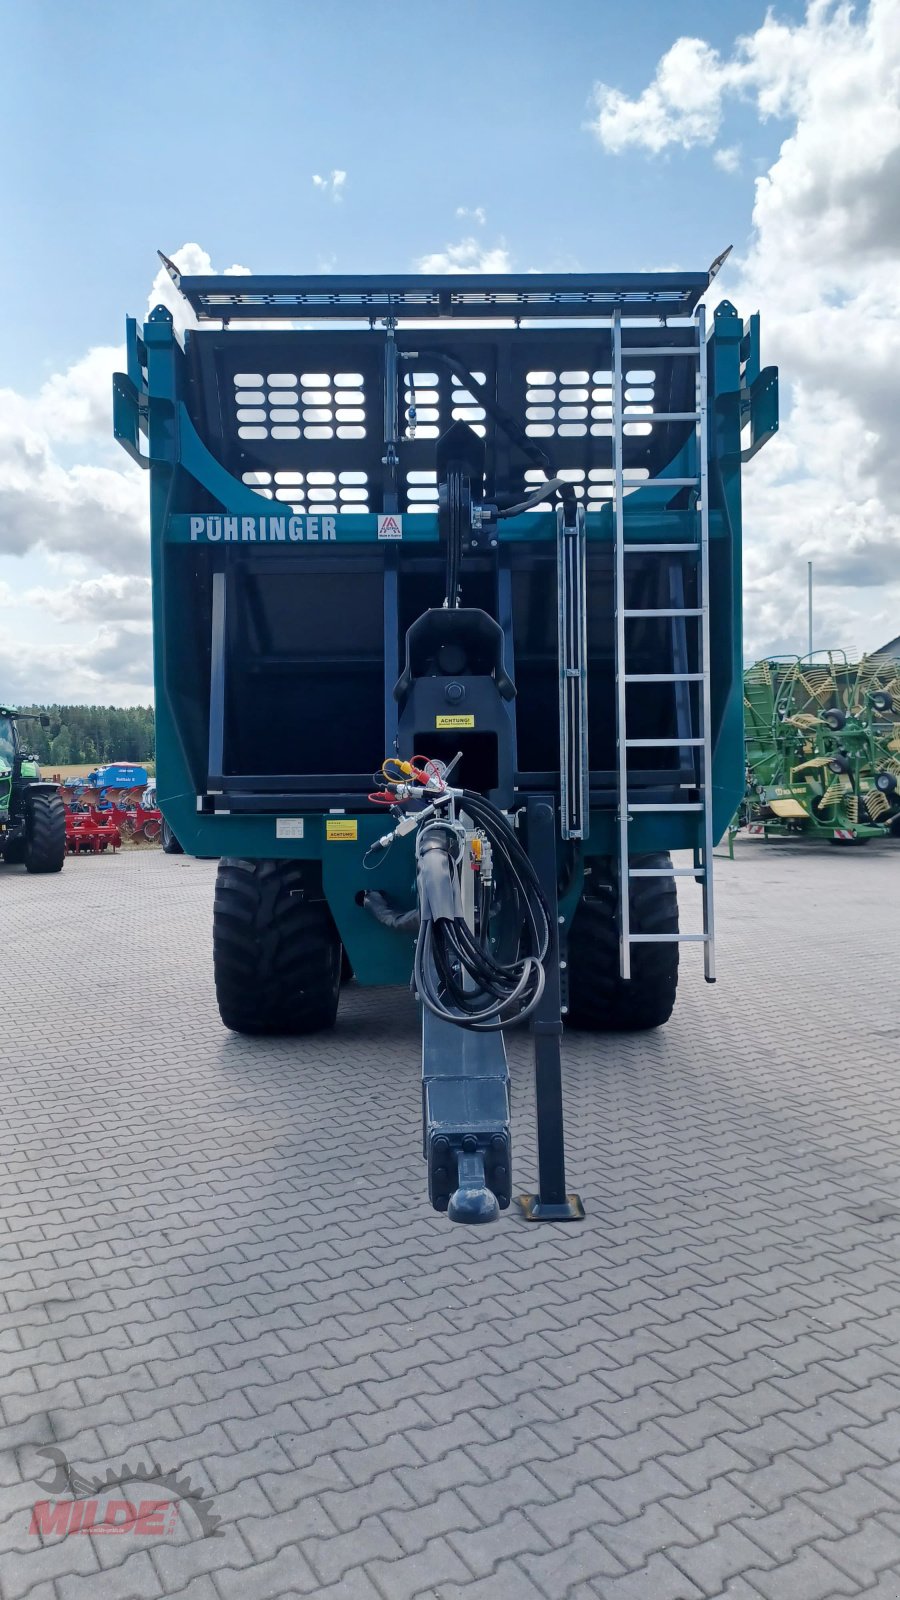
x=137, y=128
x=509, y=133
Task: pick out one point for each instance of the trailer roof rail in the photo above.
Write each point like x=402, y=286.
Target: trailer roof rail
x=539, y=295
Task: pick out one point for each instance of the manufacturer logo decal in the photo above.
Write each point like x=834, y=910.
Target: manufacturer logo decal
x=263, y=530
x=390, y=527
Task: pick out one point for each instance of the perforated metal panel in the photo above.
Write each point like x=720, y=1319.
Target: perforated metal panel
x=300, y=415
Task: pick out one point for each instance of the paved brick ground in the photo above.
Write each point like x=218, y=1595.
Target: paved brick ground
x=217, y=1254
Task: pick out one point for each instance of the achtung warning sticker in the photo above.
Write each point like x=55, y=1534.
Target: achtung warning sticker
x=390, y=527
x=457, y=721
x=341, y=828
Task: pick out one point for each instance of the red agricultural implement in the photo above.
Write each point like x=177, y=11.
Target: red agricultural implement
x=90, y=832
x=126, y=815
x=136, y=822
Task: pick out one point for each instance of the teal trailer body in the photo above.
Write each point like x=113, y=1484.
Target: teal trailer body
x=294, y=442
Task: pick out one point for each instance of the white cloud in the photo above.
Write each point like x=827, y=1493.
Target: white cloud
x=469, y=255
x=114, y=667
x=75, y=404
x=333, y=185
x=775, y=67
x=682, y=105
x=112, y=595
x=99, y=512
x=87, y=521
x=728, y=159
x=194, y=262
x=823, y=266
x=477, y=213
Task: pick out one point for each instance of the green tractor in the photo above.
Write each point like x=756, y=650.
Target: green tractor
x=32, y=815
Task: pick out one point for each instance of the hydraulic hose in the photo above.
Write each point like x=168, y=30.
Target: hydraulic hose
x=458, y=974
x=508, y=424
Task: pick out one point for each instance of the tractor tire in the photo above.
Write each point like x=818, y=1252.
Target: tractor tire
x=167, y=839
x=276, y=954
x=14, y=852
x=600, y=1001
x=45, y=833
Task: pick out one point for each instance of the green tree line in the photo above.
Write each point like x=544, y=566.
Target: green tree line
x=92, y=734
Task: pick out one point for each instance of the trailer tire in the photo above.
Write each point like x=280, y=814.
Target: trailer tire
x=599, y=1000
x=167, y=839
x=276, y=953
x=45, y=833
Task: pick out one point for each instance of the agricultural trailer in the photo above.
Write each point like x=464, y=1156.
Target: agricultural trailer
x=823, y=747
x=446, y=607
x=32, y=815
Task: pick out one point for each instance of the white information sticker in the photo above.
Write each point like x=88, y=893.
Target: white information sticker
x=289, y=827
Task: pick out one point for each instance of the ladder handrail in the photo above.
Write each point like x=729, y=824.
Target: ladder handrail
x=709, y=949
x=702, y=743
x=621, y=709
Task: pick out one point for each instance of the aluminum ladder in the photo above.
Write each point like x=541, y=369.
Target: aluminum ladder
x=701, y=742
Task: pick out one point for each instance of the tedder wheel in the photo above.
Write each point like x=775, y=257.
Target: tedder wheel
x=45, y=833
x=834, y=719
x=599, y=1000
x=168, y=840
x=276, y=953
x=881, y=701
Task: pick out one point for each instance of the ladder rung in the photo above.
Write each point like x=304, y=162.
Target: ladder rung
x=662, y=416
x=668, y=805
x=665, y=350
x=659, y=744
x=664, y=677
x=666, y=872
x=664, y=611
x=663, y=483
x=655, y=549
x=668, y=938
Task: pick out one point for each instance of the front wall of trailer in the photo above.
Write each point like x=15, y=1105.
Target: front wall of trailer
x=313, y=629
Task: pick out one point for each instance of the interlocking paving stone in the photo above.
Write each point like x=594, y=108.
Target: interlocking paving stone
x=217, y=1252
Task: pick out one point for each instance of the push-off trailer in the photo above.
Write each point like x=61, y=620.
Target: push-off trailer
x=446, y=599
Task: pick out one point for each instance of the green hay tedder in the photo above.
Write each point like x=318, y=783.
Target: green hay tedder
x=823, y=747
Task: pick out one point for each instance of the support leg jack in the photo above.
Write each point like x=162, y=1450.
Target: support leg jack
x=551, y=1203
